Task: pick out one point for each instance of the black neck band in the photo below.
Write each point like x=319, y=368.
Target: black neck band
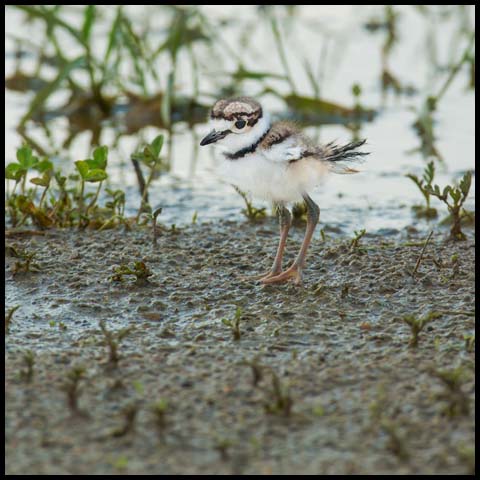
x=245, y=151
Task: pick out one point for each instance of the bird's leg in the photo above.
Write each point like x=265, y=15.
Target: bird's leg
x=285, y=221
x=295, y=271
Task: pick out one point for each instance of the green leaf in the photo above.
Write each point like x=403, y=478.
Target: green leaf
x=14, y=171
x=44, y=166
x=43, y=181
x=88, y=19
x=157, y=145
x=82, y=167
x=100, y=155
x=95, y=175
x=26, y=158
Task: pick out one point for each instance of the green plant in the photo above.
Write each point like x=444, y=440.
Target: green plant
x=160, y=410
x=112, y=340
x=418, y=324
x=140, y=271
x=9, y=316
x=28, y=358
x=421, y=183
x=234, y=324
x=454, y=198
x=150, y=157
x=469, y=343
x=354, y=244
x=457, y=401
x=72, y=387
x=252, y=213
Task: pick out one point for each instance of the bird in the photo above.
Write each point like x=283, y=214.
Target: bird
x=276, y=162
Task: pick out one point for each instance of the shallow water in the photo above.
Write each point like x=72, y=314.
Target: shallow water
x=378, y=198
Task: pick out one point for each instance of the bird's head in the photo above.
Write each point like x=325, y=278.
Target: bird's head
x=237, y=123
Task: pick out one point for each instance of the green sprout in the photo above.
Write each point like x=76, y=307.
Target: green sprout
x=427, y=178
x=28, y=358
x=112, y=340
x=9, y=316
x=234, y=324
x=150, y=157
x=253, y=214
x=140, y=271
x=457, y=400
x=454, y=198
x=354, y=244
x=72, y=387
x=418, y=324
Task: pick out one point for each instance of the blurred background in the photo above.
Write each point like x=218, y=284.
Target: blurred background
x=403, y=77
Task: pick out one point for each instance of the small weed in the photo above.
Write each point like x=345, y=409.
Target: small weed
x=222, y=445
x=252, y=213
x=234, y=324
x=418, y=324
x=150, y=157
x=456, y=399
x=140, y=271
x=454, y=198
x=279, y=400
x=427, y=178
x=9, y=316
x=112, y=340
x=354, y=244
x=27, y=265
x=72, y=387
x=28, y=358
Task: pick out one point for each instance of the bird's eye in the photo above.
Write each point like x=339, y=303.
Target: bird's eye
x=240, y=124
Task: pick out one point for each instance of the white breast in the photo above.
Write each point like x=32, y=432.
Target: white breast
x=265, y=177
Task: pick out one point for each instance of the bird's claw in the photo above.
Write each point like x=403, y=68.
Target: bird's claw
x=293, y=274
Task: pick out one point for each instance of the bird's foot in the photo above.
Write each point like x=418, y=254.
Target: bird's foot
x=262, y=276
x=294, y=274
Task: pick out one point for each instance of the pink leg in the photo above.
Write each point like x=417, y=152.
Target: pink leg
x=295, y=271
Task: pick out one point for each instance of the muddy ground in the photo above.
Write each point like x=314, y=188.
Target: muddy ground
x=352, y=397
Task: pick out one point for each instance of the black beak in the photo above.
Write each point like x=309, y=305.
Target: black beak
x=214, y=136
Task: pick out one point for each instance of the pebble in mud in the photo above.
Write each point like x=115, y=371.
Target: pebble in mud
x=339, y=343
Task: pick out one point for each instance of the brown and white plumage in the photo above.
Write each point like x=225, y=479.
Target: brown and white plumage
x=275, y=162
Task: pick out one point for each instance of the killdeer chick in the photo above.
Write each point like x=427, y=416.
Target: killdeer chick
x=278, y=163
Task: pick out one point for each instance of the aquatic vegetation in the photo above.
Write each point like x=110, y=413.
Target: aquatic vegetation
x=25, y=264
x=454, y=198
x=28, y=359
x=234, y=324
x=72, y=387
x=9, y=316
x=457, y=401
x=140, y=271
x=67, y=204
x=155, y=214
x=421, y=183
x=417, y=324
x=112, y=341
x=253, y=214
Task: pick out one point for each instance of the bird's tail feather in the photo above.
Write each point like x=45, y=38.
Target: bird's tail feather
x=340, y=158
